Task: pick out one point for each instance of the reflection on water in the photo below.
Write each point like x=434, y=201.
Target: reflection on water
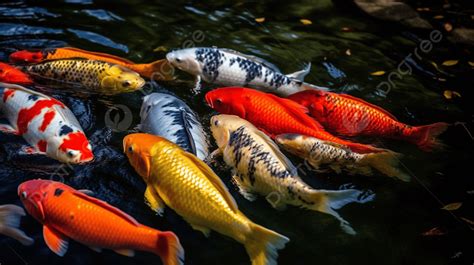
x=389, y=230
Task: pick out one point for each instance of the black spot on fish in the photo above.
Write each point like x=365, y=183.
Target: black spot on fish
x=33, y=97
x=211, y=60
x=58, y=192
x=65, y=130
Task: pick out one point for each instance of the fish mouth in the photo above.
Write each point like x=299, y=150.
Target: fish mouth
x=209, y=101
x=170, y=57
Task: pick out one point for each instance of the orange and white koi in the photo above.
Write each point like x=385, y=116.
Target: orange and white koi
x=47, y=125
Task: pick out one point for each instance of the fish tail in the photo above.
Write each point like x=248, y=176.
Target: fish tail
x=169, y=249
x=327, y=201
x=386, y=163
x=10, y=221
x=262, y=245
x=157, y=70
x=426, y=136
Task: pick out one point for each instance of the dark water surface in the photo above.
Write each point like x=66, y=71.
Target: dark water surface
x=389, y=229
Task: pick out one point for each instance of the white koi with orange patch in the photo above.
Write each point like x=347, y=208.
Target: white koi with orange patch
x=45, y=123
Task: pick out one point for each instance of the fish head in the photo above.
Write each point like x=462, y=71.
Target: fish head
x=33, y=193
x=70, y=146
x=25, y=56
x=223, y=125
x=139, y=148
x=10, y=74
x=185, y=60
x=228, y=100
x=294, y=143
x=121, y=79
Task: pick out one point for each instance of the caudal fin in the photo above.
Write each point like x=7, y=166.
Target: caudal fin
x=327, y=201
x=262, y=245
x=10, y=216
x=426, y=136
x=169, y=249
x=157, y=70
x=386, y=163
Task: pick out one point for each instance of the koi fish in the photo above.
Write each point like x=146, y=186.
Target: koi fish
x=230, y=68
x=260, y=168
x=10, y=216
x=169, y=117
x=45, y=123
x=274, y=115
x=66, y=213
x=350, y=116
x=12, y=75
x=159, y=69
x=94, y=76
x=181, y=181
x=338, y=157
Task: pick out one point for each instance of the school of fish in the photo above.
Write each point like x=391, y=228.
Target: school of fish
x=263, y=116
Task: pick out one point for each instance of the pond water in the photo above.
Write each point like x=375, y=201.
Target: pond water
x=344, y=46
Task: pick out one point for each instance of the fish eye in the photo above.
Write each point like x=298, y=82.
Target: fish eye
x=219, y=101
x=178, y=60
x=24, y=195
x=130, y=149
x=126, y=83
x=71, y=153
x=216, y=122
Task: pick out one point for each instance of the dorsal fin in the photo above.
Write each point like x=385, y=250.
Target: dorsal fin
x=106, y=206
x=99, y=54
x=215, y=180
x=298, y=111
x=368, y=104
x=252, y=58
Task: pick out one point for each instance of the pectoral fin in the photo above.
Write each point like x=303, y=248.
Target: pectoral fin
x=57, y=242
x=7, y=129
x=154, y=201
x=107, y=82
x=244, y=189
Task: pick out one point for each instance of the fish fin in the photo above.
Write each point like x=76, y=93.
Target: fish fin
x=244, y=189
x=262, y=245
x=106, y=206
x=336, y=168
x=197, y=84
x=327, y=201
x=253, y=58
x=298, y=111
x=306, y=86
x=124, y=61
x=86, y=192
x=10, y=216
x=216, y=181
x=154, y=201
x=158, y=70
x=30, y=150
x=125, y=252
x=187, y=127
x=275, y=200
x=8, y=129
x=206, y=231
x=96, y=249
x=169, y=249
x=426, y=136
x=300, y=75
x=386, y=163
x=347, y=96
x=288, y=165
x=56, y=241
